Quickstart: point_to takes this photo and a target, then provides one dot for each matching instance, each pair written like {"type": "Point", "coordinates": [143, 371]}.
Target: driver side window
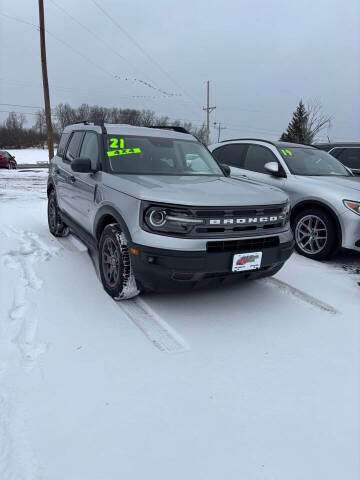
{"type": "Point", "coordinates": [256, 158]}
{"type": "Point", "coordinates": [90, 149]}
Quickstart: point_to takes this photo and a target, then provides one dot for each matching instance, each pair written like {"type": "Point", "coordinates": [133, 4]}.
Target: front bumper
{"type": "Point", "coordinates": [165, 270]}
{"type": "Point", "coordinates": [350, 230]}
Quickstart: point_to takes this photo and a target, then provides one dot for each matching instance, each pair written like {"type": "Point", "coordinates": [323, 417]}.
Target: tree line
{"type": "Point", "coordinates": [306, 123]}
{"type": "Point", "coordinates": [15, 134]}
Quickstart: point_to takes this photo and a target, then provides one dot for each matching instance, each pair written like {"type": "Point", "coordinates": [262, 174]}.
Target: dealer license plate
{"type": "Point", "coordinates": [246, 261]}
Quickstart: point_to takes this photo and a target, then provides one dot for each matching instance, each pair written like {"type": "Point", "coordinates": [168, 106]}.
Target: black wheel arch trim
{"type": "Point", "coordinates": [50, 186]}
{"type": "Point", "coordinates": [102, 213]}
{"type": "Point", "coordinates": [318, 204]}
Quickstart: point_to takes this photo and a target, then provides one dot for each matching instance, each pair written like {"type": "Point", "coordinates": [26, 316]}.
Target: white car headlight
{"type": "Point", "coordinates": [353, 206]}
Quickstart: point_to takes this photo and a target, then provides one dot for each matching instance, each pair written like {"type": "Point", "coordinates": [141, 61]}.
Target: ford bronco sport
{"type": "Point", "coordinates": [160, 210]}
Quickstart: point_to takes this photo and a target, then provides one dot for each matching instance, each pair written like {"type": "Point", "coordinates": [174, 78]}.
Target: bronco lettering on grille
{"type": "Point", "coordinates": [232, 221]}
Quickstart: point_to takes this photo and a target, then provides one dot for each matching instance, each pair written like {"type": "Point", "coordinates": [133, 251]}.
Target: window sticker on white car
{"type": "Point", "coordinates": [123, 151]}
{"type": "Point", "coordinates": [119, 145]}
{"type": "Point", "coordinates": [287, 152]}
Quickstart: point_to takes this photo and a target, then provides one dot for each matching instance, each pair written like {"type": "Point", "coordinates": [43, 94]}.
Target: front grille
{"type": "Point", "coordinates": [240, 211]}
{"type": "Point", "coordinates": [238, 245]}
{"type": "Point", "coordinates": [231, 221]}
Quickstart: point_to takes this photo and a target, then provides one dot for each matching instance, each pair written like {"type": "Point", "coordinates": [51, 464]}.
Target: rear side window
{"type": "Point", "coordinates": [74, 145]}
{"type": "Point", "coordinates": [62, 144]}
{"type": "Point", "coordinates": [350, 157]}
{"type": "Point", "coordinates": [231, 154]}
{"type": "Point", "coordinates": [256, 158]}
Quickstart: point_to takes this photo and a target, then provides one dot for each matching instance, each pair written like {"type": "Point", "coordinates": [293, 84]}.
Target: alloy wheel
{"type": "Point", "coordinates": [311, 234]}
{"type": "Point", "coordinates": [111, 262]}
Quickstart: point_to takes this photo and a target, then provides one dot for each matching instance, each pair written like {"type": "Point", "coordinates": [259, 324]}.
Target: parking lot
{"type": "Point", "coordinates": [255, 380]}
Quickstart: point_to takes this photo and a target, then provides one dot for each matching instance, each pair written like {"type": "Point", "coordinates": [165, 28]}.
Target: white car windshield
{"type": "Point", "coordinates": [312, 162]}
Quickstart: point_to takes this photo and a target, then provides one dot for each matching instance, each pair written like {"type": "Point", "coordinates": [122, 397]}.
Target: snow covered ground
{"type": "Point", "coordinates": [30, 155]}
{"type": "Point", "coordinates": [252, 381]}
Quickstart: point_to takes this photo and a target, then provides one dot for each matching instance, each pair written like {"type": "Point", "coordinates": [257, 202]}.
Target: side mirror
{"type": "Point", "coordinates": [226, 169]}
{"type": "Point", "coordinates": [273, 169]}
{"type": "Point", "coordinates": [81, 165]}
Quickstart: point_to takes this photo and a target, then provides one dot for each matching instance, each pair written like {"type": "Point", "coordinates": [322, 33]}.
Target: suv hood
{"type": "Point", "coordinates": [196, 190]}
{"type": "Point", "coordinates": [336, 181]}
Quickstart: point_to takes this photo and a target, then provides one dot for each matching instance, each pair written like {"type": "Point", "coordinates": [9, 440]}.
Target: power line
{"type": "Point", "coordinates": [109, 46]}
{"type": "Point", "coordinates": [15, 105]}
{"type": "Point", "coordinates": [24, 113]}
{"type": "Point", "coordinates": [143, 51]}
{"type": "Point", "coordinates": [59, 87]}
{"type": "Point", "coordinates": [112, 75]}
{"type": "Point", "coordinates": [61, 41]}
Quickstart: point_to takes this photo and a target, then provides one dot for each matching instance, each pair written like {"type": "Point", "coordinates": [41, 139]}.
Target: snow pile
{"type": "Point", "coordinates": [30, 155]}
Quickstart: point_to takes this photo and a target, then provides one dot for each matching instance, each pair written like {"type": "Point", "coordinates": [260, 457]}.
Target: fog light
{"type": "Point", "coordinates": [151, 259]}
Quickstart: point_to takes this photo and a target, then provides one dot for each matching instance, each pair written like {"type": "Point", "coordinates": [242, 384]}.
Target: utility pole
{"type": "Point", "coordinates": [49, 131]}
{"type": "Point", "coordinates": [208, 110]}
{"type": "Point", "coordinates": [219, 129]}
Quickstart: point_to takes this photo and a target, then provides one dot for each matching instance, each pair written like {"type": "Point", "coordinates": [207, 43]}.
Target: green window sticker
{"type": "Point", "coordinates": [123, 151]}
{"type": "Point", "coordinates": [114, 143]}
{"type": "Point", "coordinates": [287, 152]}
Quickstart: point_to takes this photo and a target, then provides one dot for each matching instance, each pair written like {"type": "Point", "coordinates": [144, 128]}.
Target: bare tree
{"type": "Point", "coordinates": [317, 121]}
{"type": "Point", "coordinates": [65, 114]}
{"type": "Point", "coordinates": [15, 121]}
{"type": "Point", "coordinates": [306, 123]}
{"type": "Point", "coordinates": [147, 118]}
{"type": "Point", "coordinates": [40, 125]}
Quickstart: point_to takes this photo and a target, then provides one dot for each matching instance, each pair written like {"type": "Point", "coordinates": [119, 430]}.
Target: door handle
{"type": "Point", "coordinates": [72, 179]}
{"type": "Point", "coordinates": [244, 176]}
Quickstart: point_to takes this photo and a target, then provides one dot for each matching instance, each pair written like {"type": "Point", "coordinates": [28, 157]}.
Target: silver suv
{"type": "Point", "coordinates": [161, 211]}
{"type": "Point", "coordinates": [324, 194]}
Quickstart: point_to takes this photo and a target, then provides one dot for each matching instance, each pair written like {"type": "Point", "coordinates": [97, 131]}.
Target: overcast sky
{"type": "Point", "coordinates": [261, 57]}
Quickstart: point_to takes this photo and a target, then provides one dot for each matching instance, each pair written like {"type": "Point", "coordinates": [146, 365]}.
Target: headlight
{"type": "Point", "coordinates": [157, 218]}
{"type": "Point", "coordinates": [286, 212]}
{"type": "Point", "coordinates": [286, 209]}
{"type": "Point", "coordinates": [353, 206]}
{"type": "Point", "coordinates": [167, 219]}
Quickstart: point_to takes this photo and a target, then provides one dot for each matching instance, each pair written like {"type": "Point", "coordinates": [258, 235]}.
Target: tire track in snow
{"type": "Point", "coordinates": [300, 295]}
{"type": "Point", "coordinates": [160, 334]}
{"type": "Point", "coordinates": [157, 330]}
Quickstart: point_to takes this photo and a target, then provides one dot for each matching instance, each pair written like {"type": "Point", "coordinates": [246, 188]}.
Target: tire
{"type": "Point", "coordinates": [315, 234]}
{"type": "Point", "coordinates": [115, 265]}
{"type": "Point", "coordinates": [56, 226]}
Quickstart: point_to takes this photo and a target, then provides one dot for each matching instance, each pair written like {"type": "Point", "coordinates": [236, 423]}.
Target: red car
{"type": "Point", "coordinates": [7, 160]}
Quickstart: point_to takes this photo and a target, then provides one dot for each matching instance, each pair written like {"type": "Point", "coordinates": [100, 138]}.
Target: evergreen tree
{"type": "Point", "coordinates": [297, 130]}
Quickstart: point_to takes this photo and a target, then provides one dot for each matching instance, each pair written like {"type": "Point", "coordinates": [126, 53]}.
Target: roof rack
{"type": "Point", "coordinates": [88, 122]}
{"type": "Point", "coordinates": [257, 139]}
{"type": "Point", "coordinates": [85, 122]}
{"type": "Point", "coordinates": [170, 127]}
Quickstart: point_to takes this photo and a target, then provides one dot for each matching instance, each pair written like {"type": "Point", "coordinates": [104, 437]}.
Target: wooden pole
{"type": "Point", "coordinates": [49, 130]}
{"type": "Point", "coordinates": [208, 110]}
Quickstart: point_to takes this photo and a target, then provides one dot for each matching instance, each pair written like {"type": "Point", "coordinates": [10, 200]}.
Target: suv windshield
{"type": "Point", "coordinates": [311, 161]}
{"type": "Point", "coordinates": [159, 156]}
